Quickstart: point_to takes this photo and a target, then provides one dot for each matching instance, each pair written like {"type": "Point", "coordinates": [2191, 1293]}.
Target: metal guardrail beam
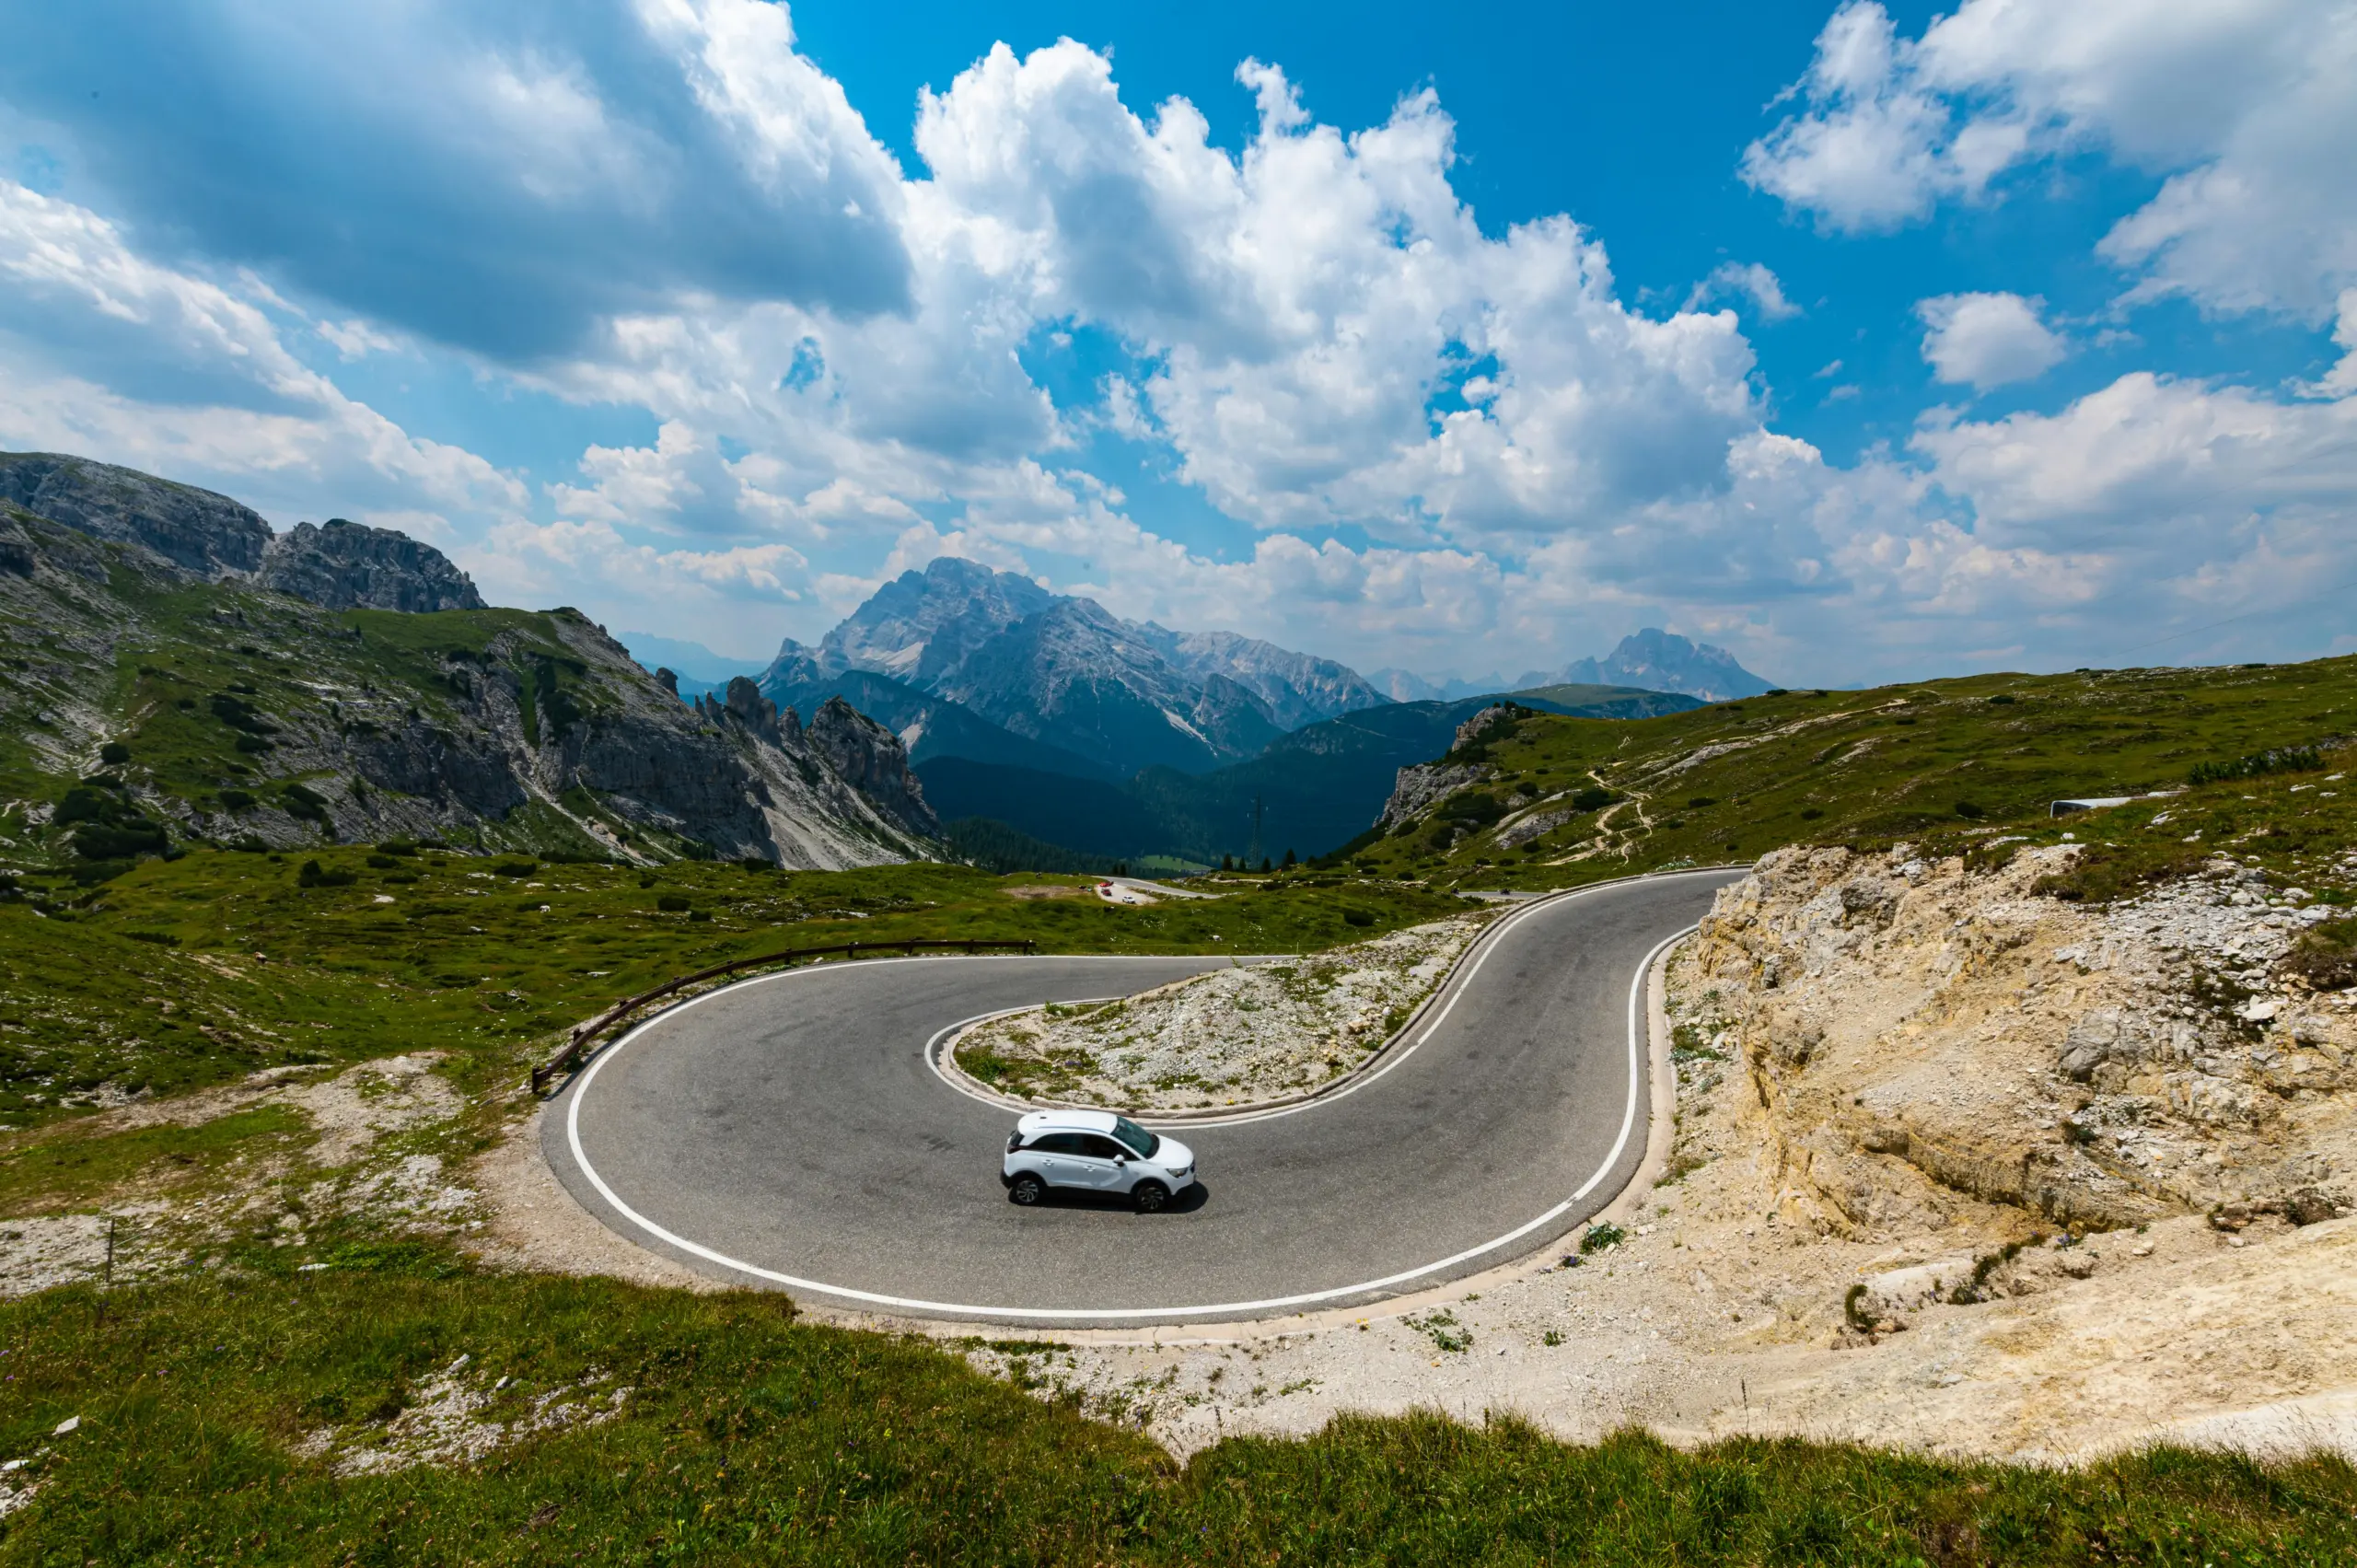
{"type": "Point", "coordinates": [577, 1043]}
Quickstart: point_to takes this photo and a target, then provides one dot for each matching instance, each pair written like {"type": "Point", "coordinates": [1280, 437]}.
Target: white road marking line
{"type": "Point", "coordinates": [1232, 1309]}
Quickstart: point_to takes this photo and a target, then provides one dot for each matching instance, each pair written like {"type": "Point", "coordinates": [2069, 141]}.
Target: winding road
{"type": "Point", "coordinates": [790, 1131]}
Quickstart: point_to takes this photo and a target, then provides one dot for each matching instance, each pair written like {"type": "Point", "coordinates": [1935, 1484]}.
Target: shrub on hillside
{"type": "Point", "coordinates": [311, 873]}
{"type": "Point", "coordinates": [2282, 760]}
{"type": "Point", "coordinates": [306, 804]}
{"type": "Point", "coordinates": [2327, 956]}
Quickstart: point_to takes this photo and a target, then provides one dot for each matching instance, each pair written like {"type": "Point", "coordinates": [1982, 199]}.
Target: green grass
{"type": "Point", "coordinates": [68, 1170]}
{"type": "Point", "coordinates": [750, 1437]}
{"type": "Point", "coordinates": [1947, 762]}
{"type": "Point", "coordinates": [191, 971]}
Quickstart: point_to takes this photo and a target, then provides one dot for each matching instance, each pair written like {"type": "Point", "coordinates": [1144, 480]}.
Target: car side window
{"type": "Point", "coordinates": [1057, 1143]}
{"type": "Point", "coordinates": [1102, 1149]}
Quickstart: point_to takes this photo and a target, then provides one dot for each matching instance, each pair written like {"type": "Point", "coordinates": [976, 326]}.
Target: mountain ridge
{"type": "Point", "coordinates": [339, 564]}
{"type": "Point", "coordinates": [158, 702]}
{"type": "Point", "coordinates": [1650, 659]}
{"type": "Point", "coordinates": [1063, 671]}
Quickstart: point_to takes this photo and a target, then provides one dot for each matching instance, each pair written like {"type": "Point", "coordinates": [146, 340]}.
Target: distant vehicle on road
{"type": "Point", "coordinates": [1094, 1151]}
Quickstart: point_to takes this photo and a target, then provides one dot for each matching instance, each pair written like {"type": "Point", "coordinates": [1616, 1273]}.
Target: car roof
{"type": "Point", "coordinates": [1072, 1121]}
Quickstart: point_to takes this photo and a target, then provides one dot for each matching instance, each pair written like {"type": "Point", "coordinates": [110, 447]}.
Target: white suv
{"type": "Point", "coordinates": [1094, 1151]}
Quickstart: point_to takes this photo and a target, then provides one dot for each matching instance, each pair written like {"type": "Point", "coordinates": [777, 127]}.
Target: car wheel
{"type": "Point", "coordinates": [1027, 1189]}
{"type": "Point", "coordinates": [1149, 1196]}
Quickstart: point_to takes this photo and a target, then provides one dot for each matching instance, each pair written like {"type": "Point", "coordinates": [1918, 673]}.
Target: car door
{"type": "Point", "coordinates": [1060, 1161]}
{"type": "Point", "coordinates": [1102, 1164]}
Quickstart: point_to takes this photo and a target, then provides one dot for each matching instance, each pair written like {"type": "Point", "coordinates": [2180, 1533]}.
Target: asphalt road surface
{"type": "Point", "coordinates": [789, 1131]}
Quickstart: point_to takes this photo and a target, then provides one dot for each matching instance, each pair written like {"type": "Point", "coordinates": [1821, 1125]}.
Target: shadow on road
{"type": "Point", "coordinates": [1080, 1199]}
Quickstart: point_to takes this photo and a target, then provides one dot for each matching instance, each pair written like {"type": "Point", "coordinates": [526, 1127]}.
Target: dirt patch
{"type": "Point", "coordinates": [457, 1419]}
{"type": "Point", "coordinates": [363, 1151]}
{"type": "Point", "coordinates": [531, 1223]}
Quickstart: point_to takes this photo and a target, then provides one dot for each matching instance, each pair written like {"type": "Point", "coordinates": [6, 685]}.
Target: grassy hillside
{"type": "Point", "coordinates": [744, 1436]}
{"type": "Point", "coordinates": [142, 710]}
{"type": "Point", "coordinates": [1953, 759]}
{"type": "Point", "coordinates": [196, 970]}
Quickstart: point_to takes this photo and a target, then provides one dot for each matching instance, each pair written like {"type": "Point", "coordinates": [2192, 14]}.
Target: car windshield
{"type": "Point", "coordinates": [1142, 1143]}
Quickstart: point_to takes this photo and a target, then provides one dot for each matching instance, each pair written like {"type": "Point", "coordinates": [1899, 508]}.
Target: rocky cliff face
{"type": "Point", "coordinates": [196, 530]}
{"type": "Point", "coordinates": [1422, 785]}
{"type": "Point", "coordinates": [870, 759]}
{"type": "Point", "coordinates": [345, 566]}
{"type": "Point", "coordinates": [1916, 1033]}
{"type": "Point", "coordinates": [259, 717]}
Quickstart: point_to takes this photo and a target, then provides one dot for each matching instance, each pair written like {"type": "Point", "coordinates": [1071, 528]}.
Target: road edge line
{"type": "Point", "coordinates": [1054, 1318]}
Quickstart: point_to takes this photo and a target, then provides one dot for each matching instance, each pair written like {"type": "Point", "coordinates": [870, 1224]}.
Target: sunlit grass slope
{"type": "Point", "coordinates": [748, 1438]}
{"type": "Point", "coordinates": [190, 972]}
{"type": "Point", "coordinates": [1956, 761]}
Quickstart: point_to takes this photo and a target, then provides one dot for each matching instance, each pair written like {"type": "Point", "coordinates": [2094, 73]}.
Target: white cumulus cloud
{"type": "Point", "coordinates": [1746, 280]}
{"type": "Point", "coordinates": [2246, 107]}
{"type": "Point", "coordinates": [1987, 339]}
{"type": "Point", "coordinates": [1336, 340]}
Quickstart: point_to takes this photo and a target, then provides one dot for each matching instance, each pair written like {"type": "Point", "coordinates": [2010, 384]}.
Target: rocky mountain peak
{"type": "Point", "coordinates": [348, 565]}
{"type": "Point", "coordinates": [871, 759]}
{"type": "Point", "coordinates": [1063, 671]}
{"type": "Point", "coordinates": [923, 624]}
{"type": "Point", "coordinates": [744, 702]}
{"type": "Point", "coordinates": [1664, 661]}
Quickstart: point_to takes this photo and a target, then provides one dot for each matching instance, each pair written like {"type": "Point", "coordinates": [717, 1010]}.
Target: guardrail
{"type": "Point", "coordinates": [569, 1057]}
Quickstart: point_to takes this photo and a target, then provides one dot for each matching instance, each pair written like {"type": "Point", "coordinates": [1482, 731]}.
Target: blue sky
{"type": "Point", "coordinates": [1868, 342]}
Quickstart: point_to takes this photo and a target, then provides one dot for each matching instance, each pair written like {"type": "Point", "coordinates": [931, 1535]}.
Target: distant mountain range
{"type": "Point", "coordinates": [1307, 792]}
{"type": "Point", "coordinates": [696, 664]}
{"type": "Point", "coordinates": [1064, 673]}
{"type": "Point", "coordinates": [1038, 721]}
{"type": "Point", "coordinates": [1652, 660]}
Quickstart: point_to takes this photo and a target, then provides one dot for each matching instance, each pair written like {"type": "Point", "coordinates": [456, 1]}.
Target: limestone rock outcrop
{"type": "Point", "coordinates": [1916, 1032]}
{"type": "Point", "coordinates": [1416, 787]}
{"type": "Point", "coordinates": [348, 565]}
{"type": "Point", "coordinates": [871, 759]}
{"type": "Point", "coordinates": [341, 566]}
{"type": "Point", "coordinates": [195, 529]}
